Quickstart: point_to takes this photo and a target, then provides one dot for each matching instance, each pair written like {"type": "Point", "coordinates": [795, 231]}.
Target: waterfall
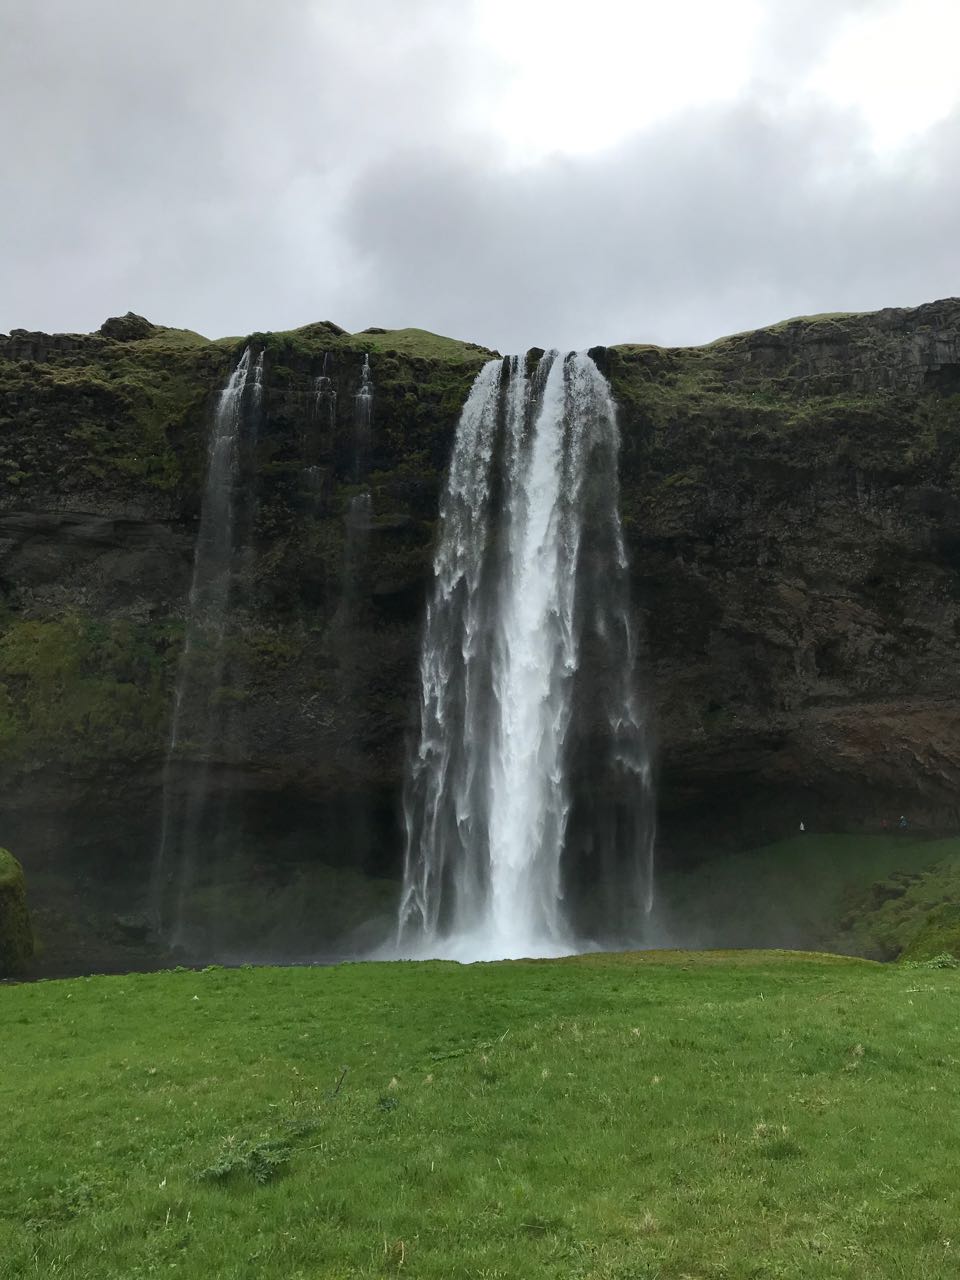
{"type": "Point", "coordinates": [256, 388]}
{"type": "Point", "coordinates": [357, 521]}
{"type": "Point", "coordinates": [195, 720]}
{"type": "Point", "coordinates": [528, 711]}
{"type": "Point", "coordinates": [362, 419]}
{"type": "Point", "coordinates": [360, 508]}
{"type": "Point", "coordinates": [325, 395]}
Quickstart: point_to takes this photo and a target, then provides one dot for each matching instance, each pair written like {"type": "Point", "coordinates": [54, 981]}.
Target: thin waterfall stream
{"type": "Point", "coordinates": [362, 419]}
{"type": "Point", "coordinates": [195, 720]}
{"type": "Point", "coordinates": [360, 508]}
{"type": "Point", "coordinates": [356, 518]}
{"type": "Point", "coordinates": [325, 395]}
{"type": "Point", "coordinates": [529, 805]}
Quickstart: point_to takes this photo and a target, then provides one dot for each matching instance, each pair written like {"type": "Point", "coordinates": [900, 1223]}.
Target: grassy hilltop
{"type": "Point", "coordinates": [663, 1115]}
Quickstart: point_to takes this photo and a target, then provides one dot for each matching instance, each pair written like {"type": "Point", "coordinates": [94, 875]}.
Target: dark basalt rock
{"type": "Point", "coordinates": [601, 358]}
{"type": "Point", "coordinates": [132, 930]}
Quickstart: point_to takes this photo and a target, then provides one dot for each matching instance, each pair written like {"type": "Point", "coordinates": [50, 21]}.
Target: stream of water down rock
{"type": "Point", "coordinates": [528, 804]}
{"type": "Point", "coordinates": [185, 801]}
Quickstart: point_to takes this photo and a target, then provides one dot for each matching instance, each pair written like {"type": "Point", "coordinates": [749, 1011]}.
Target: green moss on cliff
{"type": "Point", "coordinates": [78, 689]}
{"type": "Point", "coordinates": [120, 414]}
{"type": "Point", "coordinates": [167, 339]}
{"type": "Point", "coordinates": [307, 463]}
{"type": "Point", "coordinates": [914, 914]}
{"type": "Point", "coordinates": [16, 935]}
{"type": "Point", "coordinates": [709, 432]}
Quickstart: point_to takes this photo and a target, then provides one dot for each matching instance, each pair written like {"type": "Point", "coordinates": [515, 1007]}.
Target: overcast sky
{"type": "Point", "coordinates": [515, 172]}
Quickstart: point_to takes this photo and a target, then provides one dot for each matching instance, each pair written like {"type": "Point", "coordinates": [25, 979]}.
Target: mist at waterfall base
{"type": "Point", "coordinates": [529, 805]}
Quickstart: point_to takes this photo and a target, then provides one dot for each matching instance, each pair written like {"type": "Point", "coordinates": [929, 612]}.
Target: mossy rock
{"type": "Point", "coordinates": [939, 935]}
{"type": "Point", "coordinates": [128, 328]}
{"type": "Point", "coordinates": [16, 935]}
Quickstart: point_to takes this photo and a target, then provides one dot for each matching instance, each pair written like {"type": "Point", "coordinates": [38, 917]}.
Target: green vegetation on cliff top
{"type": "Point", "coordinates": [108, 414]}
{"type": "Point", "coordinates": [166, 339]}
{"type": "Point", "coordinates": [420, 342]}
{"type": "Point", "coordinates": [128, 412]}
{"type": "Point", "coordinates": [415, 344]}
{"type": "Point", "coordinates": [665, 1115]}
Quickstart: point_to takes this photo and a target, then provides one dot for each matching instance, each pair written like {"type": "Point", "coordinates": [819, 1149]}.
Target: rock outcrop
{"type": "Point", "coordinates": [791, 499]}
{"type": "Point", "coordinates": [16, 934]}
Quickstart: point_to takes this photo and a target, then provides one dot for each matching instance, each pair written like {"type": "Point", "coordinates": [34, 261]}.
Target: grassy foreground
{"type": "Point", "coordinates": [612, 1117]}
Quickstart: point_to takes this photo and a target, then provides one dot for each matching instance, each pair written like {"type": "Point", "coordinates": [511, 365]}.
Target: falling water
{"type": "Point", "coordinates": [493, 866]}
{"type": "Point", "coordinates": [256, 381]}
{"type": "Point", "coordinates": [201, 666]}
{"type": "Point", "coordinates": [360, 509]}
{"type": "Point", "coordinates": [358, 517]}
{"type": "Point", "coordinates": [362, 419]}
{"type": "Point", "coordinates": [353, 638]}
{"type": "Point", "coordinates": [325, 395]}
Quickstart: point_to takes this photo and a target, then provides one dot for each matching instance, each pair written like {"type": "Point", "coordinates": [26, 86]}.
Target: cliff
{"type": "Point", "coordinates": [791, 499]}
{"type": "Point", "coordinates": [794, 518]}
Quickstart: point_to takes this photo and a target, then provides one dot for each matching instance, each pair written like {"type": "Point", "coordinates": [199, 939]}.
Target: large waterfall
{"type": "Point", "coordinates": [195, 722]}
{"type": "Point", "coordinates": [528, 805]}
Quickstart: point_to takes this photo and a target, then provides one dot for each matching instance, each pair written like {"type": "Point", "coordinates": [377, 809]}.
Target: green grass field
{"type": "Point", "coordinates": [614, 1117]}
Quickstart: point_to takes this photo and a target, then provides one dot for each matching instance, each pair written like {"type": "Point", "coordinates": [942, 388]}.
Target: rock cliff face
{"type": "Point", "coordinates": [791, 499]}
{"type": "Point", "coordinates": [795, 532]}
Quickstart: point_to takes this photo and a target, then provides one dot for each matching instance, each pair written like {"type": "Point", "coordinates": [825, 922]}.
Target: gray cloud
{"type": "Point", "coordinates": [709, 224]}
{"type": "Point", "coordinates": [231, 167]}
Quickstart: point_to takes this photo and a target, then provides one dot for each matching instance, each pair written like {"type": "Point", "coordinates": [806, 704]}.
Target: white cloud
{"type": "Point", "coordinates": [897, 67]}
{"type": "Point", "coordinates": [576, 80]}
{"type": "Point", "coordinates": [531, 173]}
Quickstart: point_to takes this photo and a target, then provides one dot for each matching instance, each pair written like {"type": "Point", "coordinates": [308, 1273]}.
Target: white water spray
{"type": "Point", "coordinates": [489, 871]}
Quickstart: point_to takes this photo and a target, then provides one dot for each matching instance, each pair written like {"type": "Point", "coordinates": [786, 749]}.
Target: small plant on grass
{"type": "Point", "coordinates": [944, 961]}
{"type": "Point", "coordinates": [262, 1161]}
